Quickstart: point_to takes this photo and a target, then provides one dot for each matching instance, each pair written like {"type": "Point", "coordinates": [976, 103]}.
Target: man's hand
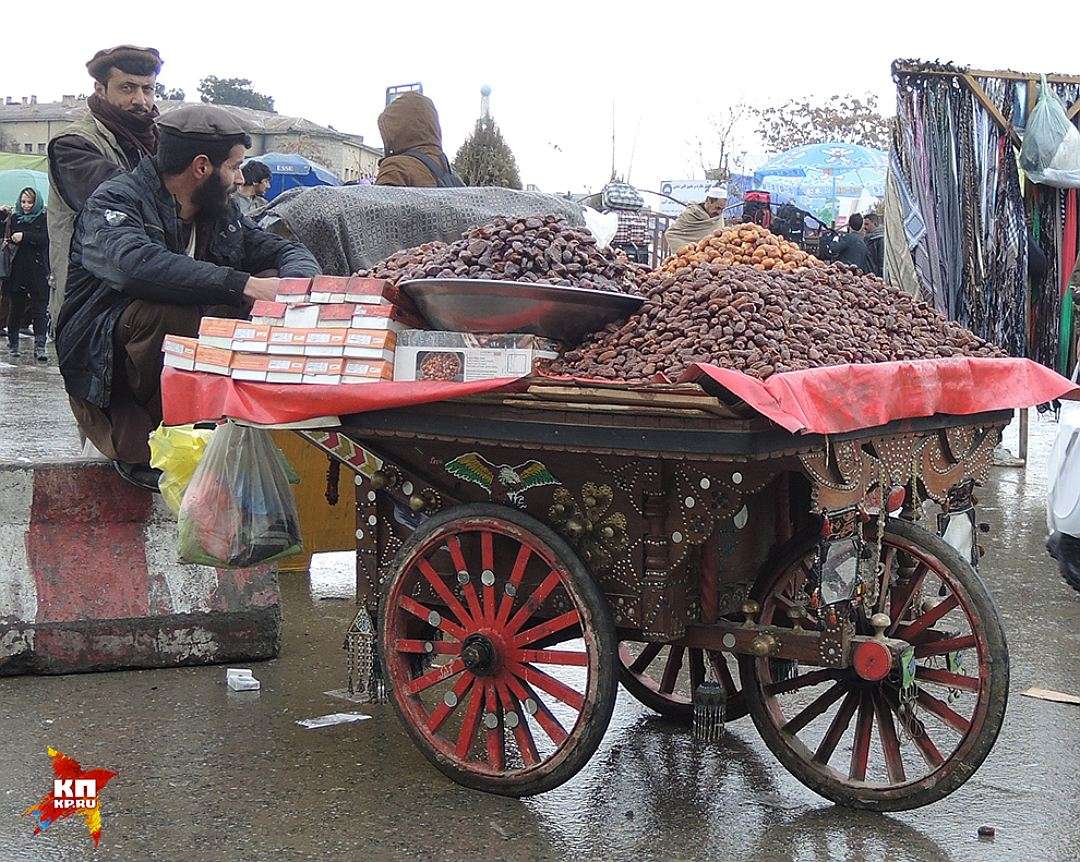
{"type": "Point", "coordinates": [261, 288]}
{"type": "Point", "coordinates": [16, 237]}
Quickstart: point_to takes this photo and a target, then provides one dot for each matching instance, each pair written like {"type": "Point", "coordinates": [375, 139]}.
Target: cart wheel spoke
{"type": "Point", "coordinates": [947, 679]}
{"type": "Point", "coordinates": [470, 721]}
{"type": "Point", "coordinates": [837, 726]}
{"type": "Point", "coordinates": [552, 686]}
{"type": "Point", "coordinates": [536, 707]}
{"type": "Point", "coordinates": [890, 743]}
{"type": "Point", "coordinates": [435, 676]}
{"type": "Point", "coordinates": [943, 711]}
{"type": "Point", "coordinates": [438, 647]}
{"type": "Point", "coordinates": [453, 545]}
{"type": "Point", "coordinates": [495, 741]}
{"type": "Point", "coordinates": [487, 557]}
{"type": "Point", "coordinates": [552, 656]}
{"type": "Point", "coordinates": [816, 708]}
{"type": "Point", "coordinates": [432, 617]}
{"type": "Point", "coordinates": [671, 669]}
{"type": "Point", "coordinates": [942, 646]}
{"type": "Point", "coordinates": [922, 623]}
{"type": "Point", "coordinates": [444, 593]}
{"type": "Point", "coordinates": [516, 574]}
{"type": "Point", "coordinates": [556, 624]}
{"type": "Point", "coordinates": [533, 602]}
{"type": "Point", "coordinates": [697, 669]}
{"type": "Point", "coordinates": [864, 726]}
{"type": "Point", "coordinates": [522, 734]}
{"type": "Point", "coordinates": [447, 706]}
{"type": "Point", "coordinates": [902, 595]}
{"type": "Point", "coordinates": [814, 677]}
{"type": "Point", "coordinates": [646, 657]}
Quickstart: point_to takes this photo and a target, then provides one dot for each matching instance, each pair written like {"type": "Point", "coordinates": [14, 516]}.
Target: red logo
{"type": "Point", "coordinates": [75, 791]}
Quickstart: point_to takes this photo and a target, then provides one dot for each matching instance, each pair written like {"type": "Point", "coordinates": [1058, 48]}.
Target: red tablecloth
{"type": "Point", "coordinates": [840, 398]}
{"type": "Point", "coordinates": [827, 400]}
{"type": "Point", "coordinates": [188, 396]}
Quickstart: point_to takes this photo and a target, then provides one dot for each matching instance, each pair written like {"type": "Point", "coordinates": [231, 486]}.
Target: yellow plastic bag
{"type": "Point", "coordinates": [176, 451]}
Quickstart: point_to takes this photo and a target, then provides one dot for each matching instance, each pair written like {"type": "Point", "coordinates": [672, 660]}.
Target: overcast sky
{"type": "Point", "coordinates": [555, 68]}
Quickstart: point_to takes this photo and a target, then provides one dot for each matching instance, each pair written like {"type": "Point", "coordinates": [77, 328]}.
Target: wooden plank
{"type": "Point", "coordinates": [1004, 74]}
{"type": "Point", "coordinates": [995, 112]}
{"type": "Point", "coordinates": [1073, 110]}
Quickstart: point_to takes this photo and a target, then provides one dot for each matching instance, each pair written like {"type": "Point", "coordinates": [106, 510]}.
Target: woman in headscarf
{"type": "Point", "coordinates": [28, 282]}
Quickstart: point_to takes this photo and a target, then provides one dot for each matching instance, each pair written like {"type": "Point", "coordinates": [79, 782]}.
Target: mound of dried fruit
{"type": "Point", "coordinates": [748, 244]}
{"type": "Point", "coordinates": [540, 249]}
{"type": "Point", "coordinates": [763, 322]}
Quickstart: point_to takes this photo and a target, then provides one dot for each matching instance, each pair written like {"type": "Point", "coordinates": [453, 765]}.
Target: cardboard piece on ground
{"type": "Point", "coordinates": [1052, 696]}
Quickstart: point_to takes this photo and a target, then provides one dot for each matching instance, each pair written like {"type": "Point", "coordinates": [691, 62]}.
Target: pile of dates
{"type": "Point", "coordinates": [742, 243]}
{"type": "Point", "coordinates": [764, 322]}
{"type": "Point", "coordinates": [539, 249]}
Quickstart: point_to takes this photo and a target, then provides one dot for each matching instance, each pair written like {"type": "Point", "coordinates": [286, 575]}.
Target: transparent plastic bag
{"type": "Point", "coordinates": [238, 510]}
{"type": "Point", "coordinates": [1051, 149]}
{"type": "Point", "coordinates": [176, 451]}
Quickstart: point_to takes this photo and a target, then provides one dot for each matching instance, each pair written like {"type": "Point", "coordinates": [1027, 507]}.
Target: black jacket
{"type": "Point", "coordinates": [127, 246]}
{"type": "Point", "coordinates": [850, 248]}
{"type": "Point", "coordinates": [30, 265]}
{"type": "Point", "coordinates": [875, 246]}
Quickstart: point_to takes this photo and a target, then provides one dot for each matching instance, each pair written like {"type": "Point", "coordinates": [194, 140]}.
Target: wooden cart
{"type": "Point", "coordinates": [522, 554]}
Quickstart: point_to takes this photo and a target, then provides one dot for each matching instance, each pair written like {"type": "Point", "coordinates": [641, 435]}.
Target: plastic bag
{"type": "Point", "coordinates": [1051, 149]}
{"type": "Point", "coordinates": [238, 510]}
{"type": "Point", "coordinates": [176, 451]}
{"type": "Point", "coordinates": [1063, 471]}
{"type": "Point", "coordinates": [603, 226]}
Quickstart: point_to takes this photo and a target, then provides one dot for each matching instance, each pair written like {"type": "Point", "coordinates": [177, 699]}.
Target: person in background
{"type": "Point", "coordinates": [875, 243]}
{"type": "Point", "coordinates": [252, 193]}
{"type": "Point", "coordinates": [697, 221]}
{"type": "Point", "coordinates": [110, 138]}
{"type": "Point", "coordinates": [28, 282]}
{"type": "Point", "coordinates": [850, 247]}
{"type": "Point", "coordinates": [153, 251]}
{"type": "Point", "coordinates": [412, 139]}
{"type": "Point", "coordinates": [5, 305]}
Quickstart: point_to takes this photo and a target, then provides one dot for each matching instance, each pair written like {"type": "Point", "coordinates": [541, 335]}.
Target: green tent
{"type": "Point", "coordinates": [13, 182]}
{"type": "Point", "coordinates": [19, 161]}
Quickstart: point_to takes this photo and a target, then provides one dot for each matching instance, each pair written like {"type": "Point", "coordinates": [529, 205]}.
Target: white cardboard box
{"type": "Point", "coordinates": [285, 369]}
{"type": "Point", "coordinates": [179, 352]}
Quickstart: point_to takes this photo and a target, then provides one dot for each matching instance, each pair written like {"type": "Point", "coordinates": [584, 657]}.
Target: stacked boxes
{"type": "Point", "coordinates": [324, 330]}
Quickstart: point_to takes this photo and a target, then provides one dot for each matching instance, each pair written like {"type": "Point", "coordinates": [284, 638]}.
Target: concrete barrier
{"type": "Point", "coordinates": [89, 580]}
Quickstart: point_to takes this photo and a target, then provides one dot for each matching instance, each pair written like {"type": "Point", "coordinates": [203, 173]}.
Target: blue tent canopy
{"type": "Point", "coordinates": [13, 182]}
{"type": "Point", "coordinates": [289, 170]}
{"type": "Point", "coordinates": [815, 175]}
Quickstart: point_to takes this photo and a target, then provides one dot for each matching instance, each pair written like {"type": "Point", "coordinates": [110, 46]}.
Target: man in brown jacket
{"type": "Point", "coordinates": [412, 140]}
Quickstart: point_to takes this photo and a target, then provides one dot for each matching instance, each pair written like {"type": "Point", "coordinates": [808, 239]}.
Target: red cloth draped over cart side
{"type": "Point", "coordinates": [188, 397]}
{"type": "Point", "coordinates": [839, 398]}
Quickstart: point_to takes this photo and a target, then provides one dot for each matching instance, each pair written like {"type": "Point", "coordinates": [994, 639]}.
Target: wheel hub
{"type": "Point", "coordinates": [479, 655]}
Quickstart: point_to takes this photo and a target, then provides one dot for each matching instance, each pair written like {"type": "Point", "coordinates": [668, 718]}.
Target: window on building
{"type": "Point", "coordinates": [41, 148]}
{"type": "Point", "coordinates": [29, 148]}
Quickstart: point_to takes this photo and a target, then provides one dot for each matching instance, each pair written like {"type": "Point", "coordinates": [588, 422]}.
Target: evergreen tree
{"type": "Point", "coordinates": [234, 91]}
{"type": "Point", "coordinates": [485, 159]}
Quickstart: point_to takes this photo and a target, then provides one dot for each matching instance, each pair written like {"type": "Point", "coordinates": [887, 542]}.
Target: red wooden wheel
{"type": "Point", "coordinates": [477, 600]}
{"type": "Point", "coordinates": [878, 744]}
{"type": "Point", "coordinates": [664, 676]}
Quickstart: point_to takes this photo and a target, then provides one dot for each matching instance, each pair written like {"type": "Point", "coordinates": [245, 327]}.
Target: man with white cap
{"type": "Point", "coordinates": [697, 220]}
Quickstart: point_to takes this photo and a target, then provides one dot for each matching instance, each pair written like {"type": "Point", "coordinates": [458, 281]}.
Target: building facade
{"type": "Point", "coordinates": [26, 126]}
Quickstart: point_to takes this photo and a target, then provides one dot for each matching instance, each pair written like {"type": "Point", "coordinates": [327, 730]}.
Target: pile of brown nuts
{"type": "Point", "coordinates": [767, 322]}
{"type": "Point", "coordinates": [539, 249]}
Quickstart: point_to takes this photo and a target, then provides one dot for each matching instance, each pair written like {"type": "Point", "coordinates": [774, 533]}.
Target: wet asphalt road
{"type": "Point", "coordinates": [209, 774]}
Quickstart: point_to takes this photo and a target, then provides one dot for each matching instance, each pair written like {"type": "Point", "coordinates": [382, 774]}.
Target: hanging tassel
{"type": "Point", "coordinates": [365, 683]}
{"type": "Point", "coordinates": [710, 710]}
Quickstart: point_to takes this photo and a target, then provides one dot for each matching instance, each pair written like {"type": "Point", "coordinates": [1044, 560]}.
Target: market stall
{"type": "Point", "coordinates": [714, 492]}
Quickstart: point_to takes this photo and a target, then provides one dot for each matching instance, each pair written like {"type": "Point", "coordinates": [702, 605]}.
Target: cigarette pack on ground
{"type": "Point", "coordinates": [384, 316]}
{"type": "Point", "coordinates": [323, 370]}
{"type": "Point", "coordinates": [293, 290]}
{"type": "Point", "coordinates": [284, 369]}
{"type": "Point", "coordinates": [328, 288]}
{"type": "Point", "coordinates": [463, 356]}
{"type": "Point", "coordinates": [249, 366]}
{"type": "Point", "coordinates": [370, 344]}
{"type": "Point", "coordinates": [370, 291]}
{"type": "Point", "coordinates": [217, 332]}
{"type": "Point", "coordinates": [325, 342]}
{"type": "Point", "coordinates": [215, 360]}
{"type": "Point", "coordinates": [366, 371]}
{"type": "Point", "coordinates": [179, 351]}
{"type": "Point", "coordinates": [287, 340]}
{"type": "Point", "coordinates": [270, 313]}
{"type": "Point", "coordinates": [251, 337]}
